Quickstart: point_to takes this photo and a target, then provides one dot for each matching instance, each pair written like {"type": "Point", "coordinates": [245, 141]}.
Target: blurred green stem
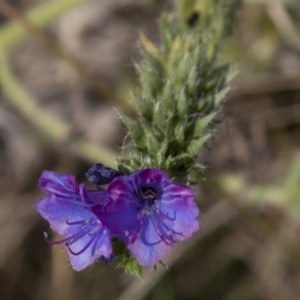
{"type": "Point", "coordinates": [27, 105]}
{"type": "Point", "coordinates": [284, 24]}
{"type": "Point", "coordinates": [42, 15]}
{"type": "Point", "coordinates": [51, 126]}
{"type": "Point", "coordinates": [54, 128]}
{"type": "Point", "coordinates": [242, 195]}
{"type": "Point", "coordinates": [30, 24]}
{"type": "Point", "coordinates": [61, 277]}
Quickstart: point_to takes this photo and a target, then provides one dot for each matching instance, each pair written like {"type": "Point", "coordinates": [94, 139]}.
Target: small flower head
{"type": "Point", "coordinates": [71, 211]}
{"type": "Point", "coordinates": [150, 213]}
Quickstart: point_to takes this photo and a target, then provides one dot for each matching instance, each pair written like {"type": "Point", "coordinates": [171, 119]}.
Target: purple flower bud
{"type": "Point", "coordinates": [98, 174]}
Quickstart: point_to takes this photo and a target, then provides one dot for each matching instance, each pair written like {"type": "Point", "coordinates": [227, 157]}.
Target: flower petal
{"type": "Point", "coordinates": [179, 210]}
{"type": "Point", "coordinates": [92, 197]}
{"type": "Point", "coordinates": [100, 247]}
{"type": "Point", "coordinates": [149, 176]}
{"type": "Point", "coordinates": [58, 184]}
{"type": "Point", "coordinates": [57, 212]}
{"type": "Point", "coordinates": [73, 218]}
{"type": "Point", "coordinates": [120, 213]}
{"type": "Point", "coordinates": [60, 214]}
{"type": "Point", "coordinates": [148, 247]}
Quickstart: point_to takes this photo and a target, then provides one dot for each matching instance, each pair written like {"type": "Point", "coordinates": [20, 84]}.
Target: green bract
{"type": "Point", "coordinates": [182, 85]}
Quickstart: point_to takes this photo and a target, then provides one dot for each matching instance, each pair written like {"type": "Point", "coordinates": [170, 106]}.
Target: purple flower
{"type": "Point", "coordinates": [150, 213]}
{"type": "Point", "coordinates": [72, 212]}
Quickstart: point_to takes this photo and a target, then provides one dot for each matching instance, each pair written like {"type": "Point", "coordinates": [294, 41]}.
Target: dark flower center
{"type": "Point", "coordinates": [146, 195]}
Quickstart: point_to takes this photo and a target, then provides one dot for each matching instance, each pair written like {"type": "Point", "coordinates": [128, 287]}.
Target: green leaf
{"type": "Point", "coordinates": [167, 97]}
{"type": "Point", "coordinates": [150, 81]}
{"type": "Point", "coordinates": [195, 146]}
{"type": "Point", "coordinates": [123, 169]}
{"type": "Point", "coordinates": [159, 116]}
{"type": "Point", "coordinates": [202, 123]}
{"type": "Point", "coordinates": [173, 147]}
{"type": "Point", "coordinates": [131, 266]}
{"type": "Point", "coordinates": [197, 127]}
{"type": "Point", "coordinates": [182, 71]}
{"type": "Point", "coordinates": [179, 133]}
{"type": "Point", "coordinates": [210, 102]}
{"type": "Point", "coordinates": [153, 145]}
{"type": "Point", "coordinates": [135, 131]}
{"type": "Point", "coordinates": [182, 105]}
{"type": "Point", "coordinates": [162, 152]}
{"type": "Point", "coordinates": [199, 167]}
{"type": "Point", "coordinates": [144, 107]}
{"type": "Point", "coordinates": [153, 63]}
{"type": "Point", "coordinates": [165, 35]}
{"type": "Point", "coordinates": [176, 56]}
{"type": "Point", "coordinates": [192, 81]}
{"type": "Point", "coordinates": [231, 74]}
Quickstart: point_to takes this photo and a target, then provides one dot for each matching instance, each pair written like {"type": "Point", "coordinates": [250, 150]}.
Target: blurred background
{"type": "Point", "coordinates": [60, 80]}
